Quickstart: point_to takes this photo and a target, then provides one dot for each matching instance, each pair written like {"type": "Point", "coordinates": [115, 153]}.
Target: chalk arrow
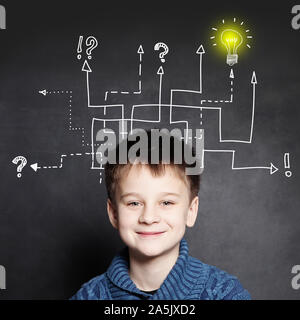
{"type": "Point", "coordinates": [34, 166]}
{"type": "Point", "coordinates": [86, 67]}
{"type": "Point", "coordinates": [253, 79]}
{"type": "Point", "coordinates": [160, 70]}
{"type": "Point", "coordinates": [43, 92]}
{"type": "Point", "coordinates": [273, 169]}
{"type": "Point", "coordinates": [140, 50]}
{"type": "Point", "coordinates": [200, 51]}
{"type": "Point", "coordinates": [254, 82]}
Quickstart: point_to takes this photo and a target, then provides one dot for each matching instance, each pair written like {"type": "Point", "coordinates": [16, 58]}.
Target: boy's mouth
{"type": "Point", "coordinates": [149, 234]}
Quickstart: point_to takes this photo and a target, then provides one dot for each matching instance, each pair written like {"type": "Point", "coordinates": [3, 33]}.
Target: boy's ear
{"type": "Point", "coordinates": [112, 214]}
{"type": "Point", "coordinates": [192, 212]}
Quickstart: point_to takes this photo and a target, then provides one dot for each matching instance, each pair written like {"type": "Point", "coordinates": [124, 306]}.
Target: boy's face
{"type": "Point", "coordinates": [146, 203]}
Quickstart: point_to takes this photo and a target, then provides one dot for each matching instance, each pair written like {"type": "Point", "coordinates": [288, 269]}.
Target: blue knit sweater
{"type": "Point", "coordinates": [189, 279]}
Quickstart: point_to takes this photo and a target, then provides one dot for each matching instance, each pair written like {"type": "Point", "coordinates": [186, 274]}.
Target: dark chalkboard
{"type": "Point", "coordinates": [54, 230]}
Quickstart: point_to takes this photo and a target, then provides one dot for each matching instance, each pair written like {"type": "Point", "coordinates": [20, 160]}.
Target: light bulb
{"type": "Point", "coordinates": [231, 39]}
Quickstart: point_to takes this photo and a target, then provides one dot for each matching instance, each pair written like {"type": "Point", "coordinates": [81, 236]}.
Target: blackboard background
{"type": "Point", "coordinates": [54, 230]}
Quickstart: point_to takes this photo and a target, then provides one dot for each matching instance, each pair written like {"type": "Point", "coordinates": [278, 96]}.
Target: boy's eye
{"type": "Point", "coordinates": [133, 204]}
{"type": "Point", "coordinates": [167, 203]}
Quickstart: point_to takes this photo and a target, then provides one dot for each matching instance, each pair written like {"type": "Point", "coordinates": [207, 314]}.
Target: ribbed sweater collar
{"type": "Point", "coordinates": [177, 284]}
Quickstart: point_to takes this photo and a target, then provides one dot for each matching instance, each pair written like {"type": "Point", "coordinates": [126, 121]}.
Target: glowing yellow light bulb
{"type": "Point", "coordinates": [231, 39]}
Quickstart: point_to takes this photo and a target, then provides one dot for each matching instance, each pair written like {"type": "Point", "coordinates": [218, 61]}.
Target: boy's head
{"type": "Point", "coordinates": [151, 204]}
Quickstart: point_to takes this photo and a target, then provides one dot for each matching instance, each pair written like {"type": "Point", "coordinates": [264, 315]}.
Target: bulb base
{"type": "Point", "coordinates": [232, 59]}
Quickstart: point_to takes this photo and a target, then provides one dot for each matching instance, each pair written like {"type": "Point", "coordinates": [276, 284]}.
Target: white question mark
{"type": "Point", "coordinates": [163, 53]}
{"type": "Point", "coordinates": [91, 42]}
{"type": "Point", "coordinates": [21, 165]}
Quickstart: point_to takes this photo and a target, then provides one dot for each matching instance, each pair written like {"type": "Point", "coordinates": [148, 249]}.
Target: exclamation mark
{"type": "Point", "coordinates": [286, 160]}
{"type": "Point", "coordinates": [79, 47]}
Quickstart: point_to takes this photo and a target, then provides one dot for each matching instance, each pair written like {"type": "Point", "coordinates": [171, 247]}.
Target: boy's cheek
{"type": "Point", "coordinates": [127, 221]}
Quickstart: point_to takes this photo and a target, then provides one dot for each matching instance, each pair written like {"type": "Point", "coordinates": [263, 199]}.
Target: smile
{"type": "Point", "coordinates": [150, 234]}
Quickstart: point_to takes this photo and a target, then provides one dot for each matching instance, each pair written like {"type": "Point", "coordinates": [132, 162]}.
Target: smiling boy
{"type": "Point", "coordinates": [151, 214]}
{"type": "Point", "coordinates": [151, 205]}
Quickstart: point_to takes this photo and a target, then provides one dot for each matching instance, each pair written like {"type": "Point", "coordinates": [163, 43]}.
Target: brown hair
{"type": "Point", "coordinates": [115, 171]}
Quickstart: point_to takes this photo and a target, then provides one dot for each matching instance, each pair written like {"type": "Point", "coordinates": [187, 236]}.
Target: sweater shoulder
{"type": "Point", "coordinates": [94, 289]}
{"type": "Point", "coordinates": [217, 284]}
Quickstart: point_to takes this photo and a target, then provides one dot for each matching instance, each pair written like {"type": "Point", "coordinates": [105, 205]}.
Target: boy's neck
{"type": "Point", "coordinates": [149, 273]}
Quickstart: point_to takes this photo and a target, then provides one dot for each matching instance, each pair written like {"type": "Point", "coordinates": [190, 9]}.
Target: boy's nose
{"type": "Point", "coordinates": [149, 215]}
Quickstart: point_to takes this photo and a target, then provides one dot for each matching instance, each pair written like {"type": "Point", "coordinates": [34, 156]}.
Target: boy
{"type": "Point", "coordinates": [150, 205]}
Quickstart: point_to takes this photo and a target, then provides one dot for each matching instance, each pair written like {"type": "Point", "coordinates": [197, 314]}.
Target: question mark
{"type": "Point", "coordinates": [21, 165]}
{"type": "Point", "coordinates": [91, 42]}
{"type": "Point", "coordinates": [163, 53]}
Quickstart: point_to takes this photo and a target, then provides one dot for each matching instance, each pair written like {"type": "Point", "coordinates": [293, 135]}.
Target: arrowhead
{"type": "Point", "coordinates": [43, 92]}
{"type": "Point", "coordinates": [273, 169]}
{"type": "Point", "coordinates": [253, 79]}
{"type": "Point", "coordinates": [140, 50]}
{"type": "Point", "coordinates": [160, 70]}
{"type": "Point", "coordinates": [86, 67]}
{"type": "Point", "coordinates": [200, 50]}
{"type": "Point", "coordinates": [231, 74]}
{"type": "Point", "coordinates": [34, 166]}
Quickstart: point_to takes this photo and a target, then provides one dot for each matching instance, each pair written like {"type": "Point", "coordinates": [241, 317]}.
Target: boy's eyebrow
{"type": "Point", "coordinates": [137, 194]}
{"type": "Point", "coordinates": [170, 194]}
{"type": "Point", "coordinates": [129, 194]}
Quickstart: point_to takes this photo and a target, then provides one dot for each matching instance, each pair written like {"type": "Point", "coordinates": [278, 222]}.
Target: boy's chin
{"type": "Point", "coordinates": [146, 249]}
{"type": "Point", "coordinates": [151, 249]}
{"type": "Point", "coordinates": [151, 253]}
